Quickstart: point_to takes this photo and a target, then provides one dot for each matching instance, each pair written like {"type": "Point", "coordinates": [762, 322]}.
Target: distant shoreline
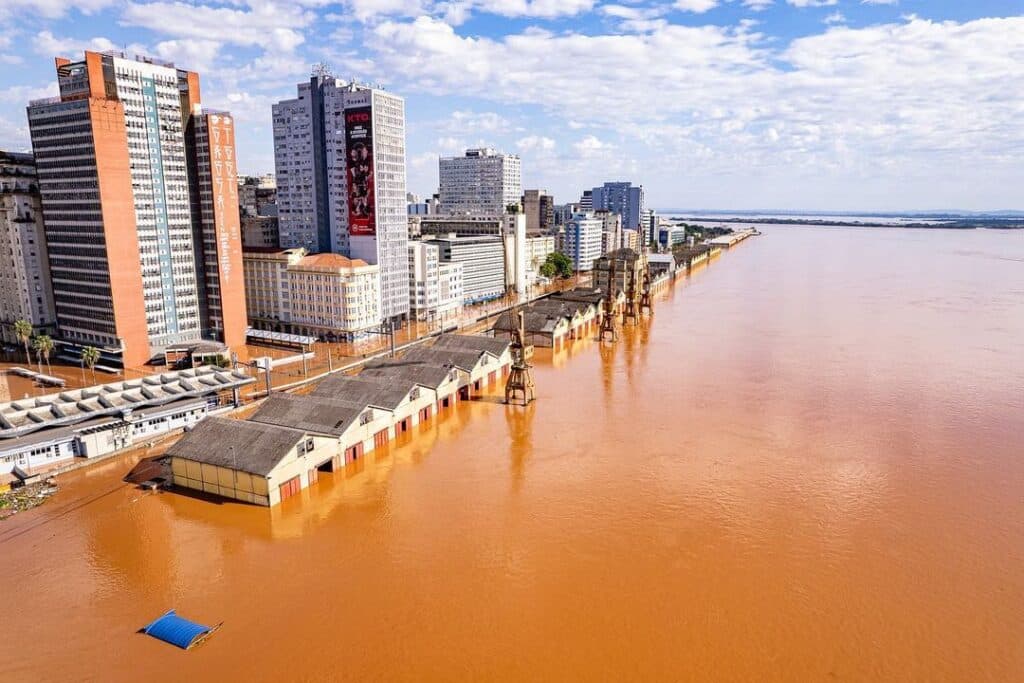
{"type": "Point", "coordinates": [938, 224]}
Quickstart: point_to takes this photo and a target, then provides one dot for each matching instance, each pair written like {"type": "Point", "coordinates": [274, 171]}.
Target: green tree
{"type": "Point", "coordinates": [23, 330]}
{"type": "Point", "coordinates": [43, 345]}
{"type": "Point", "coordinates": [563, 263]}
{"type": "Point", "coordinates": [90, 357]}
{"type": "Point", "coordinates": [557, 264]}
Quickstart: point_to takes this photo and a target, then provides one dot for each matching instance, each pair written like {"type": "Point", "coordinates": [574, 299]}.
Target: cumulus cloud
{"type": "Point", "coordinates": [51, 9]}
{"type": "Point", "coordinates": [912, 92]}
{"type": "Point", "coordinates": [535, 143]}
{"type": "Point", "coordinates": [265, 23]}
{"type": "Point", "coordinates": [698, 6]}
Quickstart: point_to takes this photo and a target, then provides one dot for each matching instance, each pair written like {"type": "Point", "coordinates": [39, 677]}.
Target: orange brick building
{"type": "Point", "coordinates": [140, 208]}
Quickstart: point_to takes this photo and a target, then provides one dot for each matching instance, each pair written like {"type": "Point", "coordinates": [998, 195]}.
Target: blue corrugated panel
{"type": "Point", "coordinates": [177, 631]}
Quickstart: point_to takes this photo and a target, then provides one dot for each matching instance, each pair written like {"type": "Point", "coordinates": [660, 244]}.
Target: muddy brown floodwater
{"type": "Point", "coordinates": [808, 466]}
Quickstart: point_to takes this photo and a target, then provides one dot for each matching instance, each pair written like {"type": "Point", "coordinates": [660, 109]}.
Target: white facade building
{"type": "Point", "coordinates": [435, 288]}
{"type": "Point", "coordinates": [583, 236]}
{"type": "Point", "coordinates": [339, 151]}
{"type": "Point", "coordinates": [538, 248]}
{"type": "Point", "coordinates": [482, 182]}
{"type": "Point", "coordinates": [322, 295]}
{"type": "Point", "coordinates": [483, 262]}
{"type": "Point", "coordinates": [611, 230]}
{"type": "Point", "coordinates": [24, 268]}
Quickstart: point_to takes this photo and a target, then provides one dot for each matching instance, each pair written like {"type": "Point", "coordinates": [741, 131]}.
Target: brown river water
{"type": "Point", "coordinates": [808, 466]}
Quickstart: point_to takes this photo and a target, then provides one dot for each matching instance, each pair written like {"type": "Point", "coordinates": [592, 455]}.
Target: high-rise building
{"type": "Point", "coordinates": [587, 201]}
{"type": "Point", "coordinates": [483, 264]}
{"type": "Point", "coordinates": [435, 287]}
{"type": "Point", "coordinates": [649, 226]}
{"type": "Point", "coordinates": [140, 207]}
{"type": "Point", "coordinates": [622, 198]}
{"type": "Point", "coordinates": [539, 207]}
{"type": "Point", "coordinates": [24, 268]}
{"type": "Point", "coordinates": [257, 195]}
{"type": "Point", "coordinates": [481, 182]}
{"type": "Point", "coordinates": [582, 240]}
{"type": "Point", "coordinates": [611, 230]}
{"type": "Point", "coordinates": [563, 212]}
{"type": "Point", "coordinates": [339, 151]}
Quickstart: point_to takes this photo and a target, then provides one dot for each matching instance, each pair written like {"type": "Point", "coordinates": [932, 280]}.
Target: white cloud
{"type": "Point", "coordinates": [266, 23]}
{"type": "Point", "coordinates": [473, 123]}
{"type": "Point", "coordinates": [534, 144]}
{"type": "Point", "coordinates": [51, 9]}
{"type": "Point", "coordinates": [698, 6]}
{"type": "Point", "coordinates": [591, 146]}
{"type": "Point", "coordinates": [758, 5]}
{"type": "Point", "coordinates": [812, 3]}
{"type": "Point", "coordinates": [916, 93]}
{"type": "Point", "coordinates": [48, 45]}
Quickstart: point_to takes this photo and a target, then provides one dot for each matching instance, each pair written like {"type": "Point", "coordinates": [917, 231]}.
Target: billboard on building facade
{"type": "Point", "coordinates": [359, 164]}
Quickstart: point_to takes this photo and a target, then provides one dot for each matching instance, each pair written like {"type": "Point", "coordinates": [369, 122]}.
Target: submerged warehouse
{"type": "Point", "coordinates": [291, 440]}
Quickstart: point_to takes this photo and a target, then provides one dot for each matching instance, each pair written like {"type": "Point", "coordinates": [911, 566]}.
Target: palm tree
{"type": "Point", "coordinates": [44, 346]}
{"type": "Point", "coordinates": [23, 330]}
{"type": "Point", "coordinates": [90, 357]}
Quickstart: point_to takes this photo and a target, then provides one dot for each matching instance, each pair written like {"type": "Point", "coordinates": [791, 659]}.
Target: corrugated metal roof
{"type": "Point", "coordinates": [464, 360]}
{"type": "Point", "coordinates": [242, 445]}
{"type": "Point", "coordinates": [472, 342]}
{"type": "Point", "coordinates": [424, 374]}
{"type": "Point", "coordinates": [368, 390]}
{"type": "Point", "coordinates": [23, 416]}
{"type": "Point", "coordinates": [318, 414]}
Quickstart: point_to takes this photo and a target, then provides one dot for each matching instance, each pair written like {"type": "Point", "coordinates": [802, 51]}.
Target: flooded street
{"type": "Point", "coordinates": [808, 466]}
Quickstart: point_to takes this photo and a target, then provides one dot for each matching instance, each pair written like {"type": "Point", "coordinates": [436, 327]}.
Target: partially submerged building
{"type": "Point", "coordinates": [249, 461]}
{"type": "Point", "coordinates": [344, 417]}
{"type": "Point", "coordinates": [46, 431]}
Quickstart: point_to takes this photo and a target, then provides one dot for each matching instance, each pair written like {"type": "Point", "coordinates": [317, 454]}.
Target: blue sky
{"type": "Point", "coordinates": [745, 104]}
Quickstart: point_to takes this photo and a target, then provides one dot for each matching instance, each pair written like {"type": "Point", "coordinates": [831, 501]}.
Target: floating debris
{"type": "Point", "coordinates": [179, 631]}
{"type": "Point", "coordinates": [25, 497]}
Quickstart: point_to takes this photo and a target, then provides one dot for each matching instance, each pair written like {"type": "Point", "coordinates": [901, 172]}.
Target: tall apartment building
{"type": "Point", "coordinates": [587, 201]}
{"type": "Point", "coordinates": [327, 295]}
{"type": "Point", "coordinates": [24, 267]}
{"type": "Point", "coordinates": [582, 240]}
{"type": "Point", "coordinates": [483, 264]}
{"type": "Point", "coordinates": [140, 207]}
{"type": "Point", "coordinates": [539, 207]}
{"type": "Point", "coordinates": [611, 230]}
{"type": "Point", "coordinates": [563, 212]}
{"type": "Point", "coordinates": [435, 287]}
{"type": "Point", "coordinates": [257, 195]}
{"type": "Point", "coordinates": [623, 199]}
{"type": "Point", "coordinates": [481, 182]}
{"type": "Point", "coordinates": [339, 152]}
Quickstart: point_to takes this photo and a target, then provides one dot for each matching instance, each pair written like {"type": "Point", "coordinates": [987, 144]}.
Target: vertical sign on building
{"type": "Point", "coordinates": [359, 174]}
{"type": "Point", "coordinates": [226, 228]}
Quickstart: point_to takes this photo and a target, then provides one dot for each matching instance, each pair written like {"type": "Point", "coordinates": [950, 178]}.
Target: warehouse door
{"type": "Point", "coordinates": [290, 488]}
{"type": "Point", "coordinates": [353, 453]}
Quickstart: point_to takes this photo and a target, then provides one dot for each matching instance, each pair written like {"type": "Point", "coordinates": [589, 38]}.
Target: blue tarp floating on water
{"type": "Point", "coordinates": [178, 631]}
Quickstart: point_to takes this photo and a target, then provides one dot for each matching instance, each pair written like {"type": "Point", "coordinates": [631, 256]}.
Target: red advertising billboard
{"type": "Point", "coordinates": [359, 174]}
